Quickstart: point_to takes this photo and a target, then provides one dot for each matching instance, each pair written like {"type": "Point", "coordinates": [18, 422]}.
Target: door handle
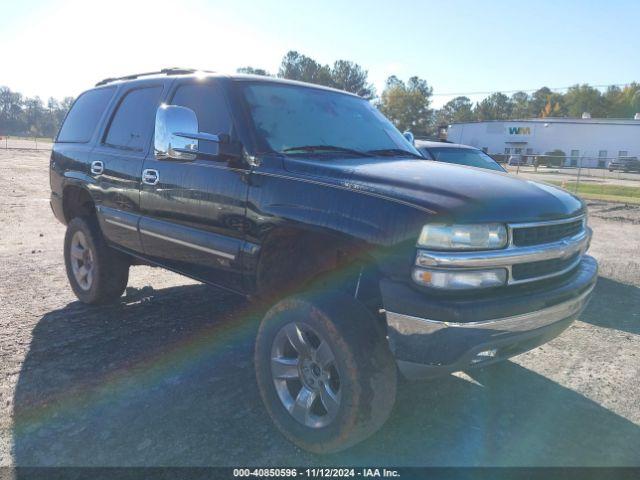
{"type": "Point", "coordinates": [150, 176]}
{"type": "Point", "coordinates": [97, 167]}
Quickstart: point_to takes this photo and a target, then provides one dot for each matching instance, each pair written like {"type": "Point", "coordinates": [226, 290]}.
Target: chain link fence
{"type": "Point", "coordinates": [9, 142]}
{"type": "Point", "coordinates": [605, 178]}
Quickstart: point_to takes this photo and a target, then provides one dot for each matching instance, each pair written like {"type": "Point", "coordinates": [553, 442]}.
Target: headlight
{"type": "Point", "coordinates": [487, 236]}
{"type": "Point", "coordinates": [460, 279]}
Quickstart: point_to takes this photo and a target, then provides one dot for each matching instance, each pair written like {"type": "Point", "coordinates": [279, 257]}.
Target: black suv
{"type": "Point", "coordinates": [309, 199]}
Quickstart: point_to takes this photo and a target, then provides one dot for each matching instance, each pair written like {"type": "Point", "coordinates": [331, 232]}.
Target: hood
{"type": "Point", "coordinates": [453, 192]}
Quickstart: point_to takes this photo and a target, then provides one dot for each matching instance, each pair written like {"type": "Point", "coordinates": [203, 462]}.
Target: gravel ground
{"type": "Point", "coordinates": [166, 376]}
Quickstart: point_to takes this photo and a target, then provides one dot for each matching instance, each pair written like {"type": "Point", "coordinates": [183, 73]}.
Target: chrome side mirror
{"type": "Point", "coordinates": [409, 136]}
{"type": "Point", "coordinates": [177, 135]}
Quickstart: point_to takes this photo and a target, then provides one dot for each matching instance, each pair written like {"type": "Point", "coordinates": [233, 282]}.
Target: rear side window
{"type": "Point", "coordinates": [133, 121]}
{"type": "Point", "coordinates": [208, 102]}
{"type": "Point", "coordinates": [84, 116]}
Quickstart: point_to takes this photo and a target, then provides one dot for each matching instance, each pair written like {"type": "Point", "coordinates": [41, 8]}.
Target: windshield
{"type": "Point", "coordinates": [290, 117]}
{"type": "Point", "coordinates": [465, 156]}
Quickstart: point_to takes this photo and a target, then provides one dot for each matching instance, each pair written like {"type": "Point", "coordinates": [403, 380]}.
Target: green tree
{"type": "Point", "coordinates": [34, 114]}
{"type": "Point", "coordinates": [538, 101]}
{"type": "Point", "coordinates": [11, 118]}
{"type": "Point", "coordinates": [520, 105]}
{"type": "Point", "coordinates": [584, 98]}
{"type": "Point", "coordinates": [20, 116]}
{"type": "Point", "coordinates": [496, 106]}
{"type": "Point", "coordinates": [296, 66]}
{"type": "Point", "coordinates": [613, 101]}
{"type": "Point", "coordinates": [253, 71]}
{"type": "Point", "coordinates": [546, 103]}
{"type": "Point", "coordinates": [345, 75]}
{"type": "Point", "coordinates": [351, 77]}
{"type": "Point", "coordinates": [459, 109]}
{"type": "Point", "coordinates": [631, 94]}
{"type": "Point", "coordinates": [66, 103]}
{"type": "Point", "coordinates": [622, 102]}
{"type": "Point", "coordinates": [407, 105]}
{"type": "Point", "coordinates": [49, 121]}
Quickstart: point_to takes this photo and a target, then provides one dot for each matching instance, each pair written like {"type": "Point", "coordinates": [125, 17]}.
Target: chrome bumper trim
{"type": "Point", "coordinates": [408, 325]}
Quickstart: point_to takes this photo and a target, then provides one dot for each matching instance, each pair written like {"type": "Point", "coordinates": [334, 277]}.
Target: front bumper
{"type": "Point", "coordinates": [501, 325]}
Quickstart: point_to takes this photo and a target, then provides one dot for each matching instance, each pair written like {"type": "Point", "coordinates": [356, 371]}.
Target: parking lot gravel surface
{"type": "Point", "coordinates": [165, 377]}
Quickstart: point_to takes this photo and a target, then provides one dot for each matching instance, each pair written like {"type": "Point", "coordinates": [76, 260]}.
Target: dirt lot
{"type": "Point", "coordinates": [166, 376]}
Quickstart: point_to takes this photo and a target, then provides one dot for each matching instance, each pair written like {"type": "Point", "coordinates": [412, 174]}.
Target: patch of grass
{"type": "Point", "coordinates": [615, 193]}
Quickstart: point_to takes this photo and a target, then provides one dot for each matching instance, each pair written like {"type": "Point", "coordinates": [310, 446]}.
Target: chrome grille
{"type": "Point", "coordinates": [546, 233]}
{"type": "Point", "coordinates": [536, 251]}
{"type": "Point", "coordinates": [544, 268]}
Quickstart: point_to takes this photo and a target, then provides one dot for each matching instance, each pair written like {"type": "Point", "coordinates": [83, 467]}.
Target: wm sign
{"type": "Point", "coordinates": [519, 130]}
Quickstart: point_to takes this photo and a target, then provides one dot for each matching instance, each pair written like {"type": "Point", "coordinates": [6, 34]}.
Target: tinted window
{"type": "Point", "coordinates": [209, 104]}
{"type": "Point", "coordinates": [465, 156]}
{"type": "Point", "coordinates": [84, 116]}
{"type": "Point", "coordinates": [133, 122]}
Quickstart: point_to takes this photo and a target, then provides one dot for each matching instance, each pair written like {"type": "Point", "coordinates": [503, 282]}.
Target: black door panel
{"type": "Point", "coordinates": [194, 217]}
{"type": "Point", "coordinates": [121, 227]}
{"type": "Point", "coordinates": [120, 156]}
{"type": "Point", "coordinates": [205, 255]}
{"type": "Point", "coordinates": [118, 195]}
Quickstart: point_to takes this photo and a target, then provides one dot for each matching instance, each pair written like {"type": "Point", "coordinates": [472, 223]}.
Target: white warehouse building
{"type": "Point", "coordinates": [588, 142]}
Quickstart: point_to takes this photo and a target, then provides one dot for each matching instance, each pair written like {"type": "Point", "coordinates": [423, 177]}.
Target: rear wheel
{"type": "Point", "coordinates": [324, 371]}
{"type": "Point", "coordinates": [97, 273]}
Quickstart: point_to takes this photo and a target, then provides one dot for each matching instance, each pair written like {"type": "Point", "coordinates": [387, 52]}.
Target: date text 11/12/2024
{"type": "Point", "coordinates": [317, 472]}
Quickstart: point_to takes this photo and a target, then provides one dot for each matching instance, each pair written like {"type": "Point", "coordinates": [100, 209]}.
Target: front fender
{"type": "Point", "coordinates": [386, 229]}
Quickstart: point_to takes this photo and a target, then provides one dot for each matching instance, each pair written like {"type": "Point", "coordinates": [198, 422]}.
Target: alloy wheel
{"type": "Point", "coordinates": [82, 260]}
{"type": "Point", "coordinates": [305, 375]}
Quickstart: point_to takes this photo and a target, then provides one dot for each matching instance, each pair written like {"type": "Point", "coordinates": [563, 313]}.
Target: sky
{"type": "Point", "coordinates": [61, 48]}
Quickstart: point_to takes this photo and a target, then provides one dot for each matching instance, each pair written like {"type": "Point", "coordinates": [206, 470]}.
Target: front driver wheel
{"type": "Point", "coordinates": [324, 370]}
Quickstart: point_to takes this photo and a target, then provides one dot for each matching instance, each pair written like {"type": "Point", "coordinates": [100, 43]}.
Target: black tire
{"type": "Point", "coordinates": [110, 268]}
{"type": "Point", "coordinates": [362, 359]}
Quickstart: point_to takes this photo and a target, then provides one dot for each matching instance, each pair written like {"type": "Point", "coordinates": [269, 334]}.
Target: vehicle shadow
{"type": "Point", "coordinates": [166, 378]}
{"type": "Point", "coordinates": [614, 305]}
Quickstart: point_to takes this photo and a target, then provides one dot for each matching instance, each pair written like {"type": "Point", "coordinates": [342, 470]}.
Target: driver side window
{"type": "Point", "coordinates": [208, 102]}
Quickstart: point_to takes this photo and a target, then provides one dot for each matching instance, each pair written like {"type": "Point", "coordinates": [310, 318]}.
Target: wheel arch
{"type": "Point", "coordinates": [294, 258]}
{"type": "Point", "coordinates": [77, 202]}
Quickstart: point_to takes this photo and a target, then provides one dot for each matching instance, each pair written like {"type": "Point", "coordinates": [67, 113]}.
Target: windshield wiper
{"type": "Point", "coordinates": [391, 152]}
{"type": "Point", "coordinates": [326, 148]}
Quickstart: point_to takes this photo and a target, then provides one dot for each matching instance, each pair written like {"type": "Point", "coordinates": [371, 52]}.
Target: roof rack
{"type": "Point", "coordinates": [164, 71]}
